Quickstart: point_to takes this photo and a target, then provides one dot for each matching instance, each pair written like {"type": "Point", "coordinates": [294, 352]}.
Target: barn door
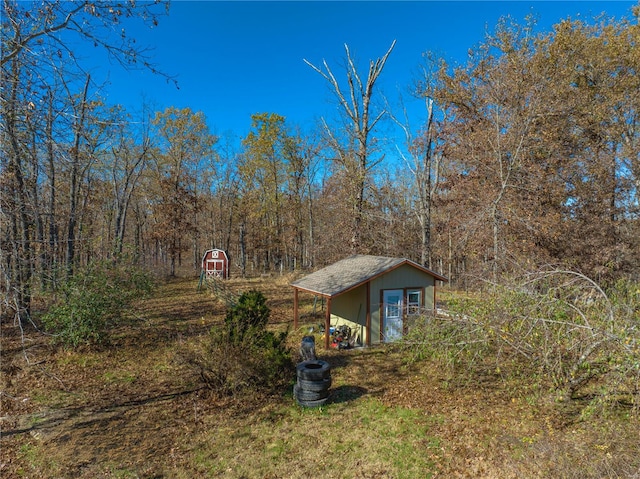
{"type": "Point", "coordinates": [215, 267]}
{"type": "Point", "coordinates": [392, 306]}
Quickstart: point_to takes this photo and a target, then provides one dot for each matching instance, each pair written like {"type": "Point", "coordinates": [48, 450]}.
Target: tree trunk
{"type": "Point", "coordinates": [52, 253]}
{"type": "Point", "coordinates": [20, 264]}
{"type": "Point", "coordinates": [243, 250]}
{"type": "Point", "coordinates": [74, 187]}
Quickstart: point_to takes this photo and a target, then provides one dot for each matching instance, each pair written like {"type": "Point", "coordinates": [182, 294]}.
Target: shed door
{"type": "Point", "coordinates": [392, 309]}
{"type": "Point", "coordinates": [215, 267]}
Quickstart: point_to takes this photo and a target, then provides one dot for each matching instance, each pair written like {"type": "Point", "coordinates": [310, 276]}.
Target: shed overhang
{"type": "Point", "coordinates": [351, 273]}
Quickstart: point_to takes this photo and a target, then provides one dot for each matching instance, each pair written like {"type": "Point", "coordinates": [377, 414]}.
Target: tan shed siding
{"type": "Point", "coordinates": [352, 305]}
{"type": "Point", "coordinates": [375, 322]}
{"type": "Point", "coordinates": [429, 291]}
{"type": "Point", "coordinates": [403, 277]}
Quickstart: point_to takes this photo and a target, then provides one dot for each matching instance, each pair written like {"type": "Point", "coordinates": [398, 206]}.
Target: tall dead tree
{"type": "Point", "coordinates": [354, 152]}
{"type": "Point", "coordinates": [423, 160]}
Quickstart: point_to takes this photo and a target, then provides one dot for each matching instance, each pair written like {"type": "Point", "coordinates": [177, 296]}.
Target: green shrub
{"type": "Point", "coordinates": [92, 301]}
{"type": "Point", "coordinates": [249, 315]}
{"type": "Point", "coordinates": [244, 355]}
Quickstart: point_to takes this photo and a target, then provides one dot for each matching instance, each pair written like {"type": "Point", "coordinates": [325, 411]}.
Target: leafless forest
{"type": "Point", "coordinates": [530, 157]}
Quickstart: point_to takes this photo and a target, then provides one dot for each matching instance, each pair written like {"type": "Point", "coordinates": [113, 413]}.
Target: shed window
{"type": "Point", "coordinates": [414, 301]}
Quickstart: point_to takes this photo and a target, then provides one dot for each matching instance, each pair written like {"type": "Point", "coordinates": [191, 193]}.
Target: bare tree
{"type": "Point", "coordinates": [75, 175]}
{"type": "Point", "coordinates": [127, 162]}
{"type": "Point", "coordinates": [423, 160]}
{"type": "Point", "coordinates": [355, 156]}
{"type": "Point", "coordinates": [36, 56]}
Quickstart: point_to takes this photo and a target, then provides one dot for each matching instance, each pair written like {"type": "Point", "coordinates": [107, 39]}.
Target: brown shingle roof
{"type": "Point", "coordinates": [351, 272]}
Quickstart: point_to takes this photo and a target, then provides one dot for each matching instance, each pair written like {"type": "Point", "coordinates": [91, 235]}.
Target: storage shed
{"type": "Point", "coordinates": [374, 295]}
{"type": "Point", "coordinates": [215, 263]}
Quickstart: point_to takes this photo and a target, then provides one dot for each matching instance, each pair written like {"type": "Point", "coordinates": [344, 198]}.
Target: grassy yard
{"type": "Point", "coordinates": [136, 410]}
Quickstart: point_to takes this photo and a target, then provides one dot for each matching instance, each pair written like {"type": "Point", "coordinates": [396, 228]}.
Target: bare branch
{"type": "Point", "coordinates": [356, 110]}
{"type": "Point", "coordinates": [19, 44]}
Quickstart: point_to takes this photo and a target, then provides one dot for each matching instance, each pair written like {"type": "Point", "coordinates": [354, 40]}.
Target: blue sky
{"type": "Point", "coordinates": [233, 59]}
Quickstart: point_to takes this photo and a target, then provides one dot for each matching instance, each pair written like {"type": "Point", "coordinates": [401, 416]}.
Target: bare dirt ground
{"type": "Point", "coordinates": [128, 402]}
{"type": "Point", "coordinates": [134, 409]}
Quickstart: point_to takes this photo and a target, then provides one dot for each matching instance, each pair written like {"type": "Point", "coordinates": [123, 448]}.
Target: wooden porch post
{"type": "Point", "coordinates": [368, 317]}
{"type": "Point", "coordinates": [327, 323]}
{"type": "Point", "coordinates": [295, 309]}
{"type": "Point", "coordinates": [435, 308]}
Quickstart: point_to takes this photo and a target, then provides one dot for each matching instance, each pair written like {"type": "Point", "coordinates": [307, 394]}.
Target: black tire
{"type": "Point", "coordinates": [320, 385]}
{"type": "Point", "coordinates": [314, 370]}
{"type": "Point", "coordinates": [318, 403]}
{"type": "Point", "coordinates": [303, 395]}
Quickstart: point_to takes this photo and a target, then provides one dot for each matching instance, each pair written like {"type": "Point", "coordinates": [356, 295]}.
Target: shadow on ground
{"type": "Point", "coordinates": [343, 394]}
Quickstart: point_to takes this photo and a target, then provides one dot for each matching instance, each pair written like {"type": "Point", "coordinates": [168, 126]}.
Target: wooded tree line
{"type": "Point", "coordinates": [540, 147]}
{"type": "Point", "coordinates": [530, 155]}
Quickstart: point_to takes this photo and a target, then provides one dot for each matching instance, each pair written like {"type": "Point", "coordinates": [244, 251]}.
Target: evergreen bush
{"type": "Point", "coordinates": [244, 355]}
{"type": "Point", "coordinates": [91, 302]}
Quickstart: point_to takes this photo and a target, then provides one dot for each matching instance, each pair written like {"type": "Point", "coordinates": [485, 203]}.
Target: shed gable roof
{"type": "Point", "coordinates": [350, 272]}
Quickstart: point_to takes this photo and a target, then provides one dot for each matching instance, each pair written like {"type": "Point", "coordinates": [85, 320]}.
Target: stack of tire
{"type": "Point", "coordinates": [313, 383]}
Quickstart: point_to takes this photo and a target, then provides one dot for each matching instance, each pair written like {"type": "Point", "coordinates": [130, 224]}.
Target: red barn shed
{"type": "Point", "coordinates": [215, 262]}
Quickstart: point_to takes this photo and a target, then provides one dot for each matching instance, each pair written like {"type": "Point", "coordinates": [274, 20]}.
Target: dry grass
{"type": "Point", "coordinates": [135, 410]}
